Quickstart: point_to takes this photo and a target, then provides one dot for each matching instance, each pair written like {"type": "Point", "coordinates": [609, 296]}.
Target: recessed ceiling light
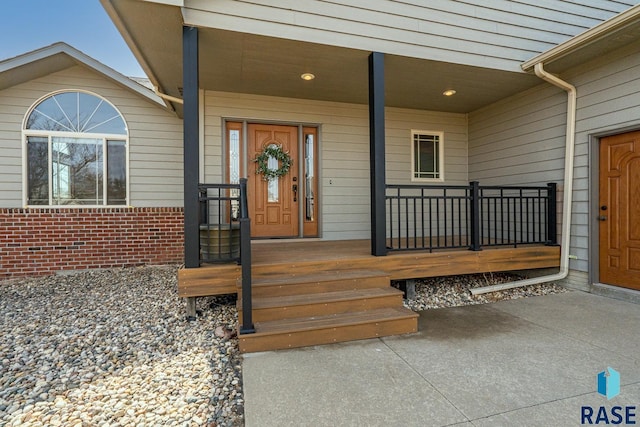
{"type": "Point", "coordinates": [449, 92]}
{"type": "Point", "coordinates": [307, 76]}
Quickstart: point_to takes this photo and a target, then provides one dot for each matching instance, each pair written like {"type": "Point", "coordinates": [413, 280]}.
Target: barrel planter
{"type": "Point", "coordinates": [220, 242]}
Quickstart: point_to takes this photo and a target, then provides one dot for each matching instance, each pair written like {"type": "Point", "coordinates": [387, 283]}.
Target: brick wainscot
{"type": "Point", "coordinates": [42, 241]}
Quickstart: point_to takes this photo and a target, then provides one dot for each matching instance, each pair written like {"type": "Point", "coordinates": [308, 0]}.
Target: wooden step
{"type": "Point", "coordinates": [320, 282]}
{"type": "Point", "coordinates": [315, 330]}
{"type": "Point", "coordinates": [320, 304]}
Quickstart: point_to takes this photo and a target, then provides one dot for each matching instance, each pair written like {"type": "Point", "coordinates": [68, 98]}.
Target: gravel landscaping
{"type": "Point", "coordinates": [112, 348]}
{"type": "Point", "coordinates": [454, 291]}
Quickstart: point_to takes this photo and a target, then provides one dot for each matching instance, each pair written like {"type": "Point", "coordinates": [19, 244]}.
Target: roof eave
{"type": "Point", "coordinates": [83, 59]}
{"type": "Point", "coordinates": [592, 35]}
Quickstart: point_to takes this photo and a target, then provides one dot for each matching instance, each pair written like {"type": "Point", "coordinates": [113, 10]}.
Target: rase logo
{"type": "Point", "coordinates": [608, 385]}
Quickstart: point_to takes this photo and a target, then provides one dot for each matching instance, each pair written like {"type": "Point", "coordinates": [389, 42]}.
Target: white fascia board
{"type": "Point", "coordinates": [599, 31]}
{"type": "Point", "coordinates": [27, 58]}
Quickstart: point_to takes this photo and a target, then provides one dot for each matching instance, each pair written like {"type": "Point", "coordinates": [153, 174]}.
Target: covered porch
{"type": "Point", "coordinates": [376, 222]}
{"type": "Point", "coordinates": [300, 292]}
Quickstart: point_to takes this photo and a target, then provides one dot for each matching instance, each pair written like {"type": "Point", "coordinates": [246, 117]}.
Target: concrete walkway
{"type": "Point", "coordinates": [530, 361]}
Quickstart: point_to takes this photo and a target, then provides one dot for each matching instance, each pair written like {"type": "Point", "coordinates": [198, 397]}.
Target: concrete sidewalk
{"type": "Point", "coordinates": [530, 361]}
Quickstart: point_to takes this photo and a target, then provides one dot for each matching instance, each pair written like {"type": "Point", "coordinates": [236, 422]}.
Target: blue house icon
{"type": "Point", "coordinates": [609, 383]}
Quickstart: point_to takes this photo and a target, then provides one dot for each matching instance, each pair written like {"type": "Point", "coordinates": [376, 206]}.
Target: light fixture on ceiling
{"type": "Point", "coordinates": [449, 92]}
{"type": "Point", "coordinates": [307, 76]}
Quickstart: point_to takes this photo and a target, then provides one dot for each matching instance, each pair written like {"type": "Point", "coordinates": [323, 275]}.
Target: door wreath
{"type": "Point", "coordinates": [262, 160]}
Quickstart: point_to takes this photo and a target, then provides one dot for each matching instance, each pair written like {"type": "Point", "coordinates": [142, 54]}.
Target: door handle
{"type": "Point", "coordinates": [295, 192]}
{"type": "Point", "coordinates": [602, 218]}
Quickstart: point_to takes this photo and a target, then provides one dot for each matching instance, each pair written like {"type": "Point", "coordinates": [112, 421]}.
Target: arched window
{"type": "Point", "coordinates": [76, 151]}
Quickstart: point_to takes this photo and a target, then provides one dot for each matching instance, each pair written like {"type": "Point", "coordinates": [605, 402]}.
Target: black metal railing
{"type": "Point", "coordinates": [517, 215]}
{"type": "Point", "coordinates": [430, 217]}
{"type": "Point", "coordinates": [427, 217]}
{"type": "Point", "coordinates": [219, 226]}
{"type": "Point", "coordinates": [225, 235]}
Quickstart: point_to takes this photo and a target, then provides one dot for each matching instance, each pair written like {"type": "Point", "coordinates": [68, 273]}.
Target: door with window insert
{"type": "Point", "coordinates": [285, 206]}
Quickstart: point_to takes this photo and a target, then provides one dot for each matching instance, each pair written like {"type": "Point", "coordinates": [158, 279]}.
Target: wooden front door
{"type": "Point", "coordinates": [619, 210]}
{"type": "Point", "coordinates": [273, 204]}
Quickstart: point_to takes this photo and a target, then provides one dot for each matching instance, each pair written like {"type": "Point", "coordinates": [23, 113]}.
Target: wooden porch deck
{"type": "Point", "coordinates": [319, 292]}
{"type": "Point", "coordinates": [288, 259]}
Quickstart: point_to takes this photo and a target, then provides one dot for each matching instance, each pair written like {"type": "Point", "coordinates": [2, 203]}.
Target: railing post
{"type": "Point", "coordinates": [552, 224]}
{"type": "Point", "coordinates": [474, 188]}
{"type": "Point", "coordinates": [246, 325]}
{"type": "Point", "coordinates": [204, 205]}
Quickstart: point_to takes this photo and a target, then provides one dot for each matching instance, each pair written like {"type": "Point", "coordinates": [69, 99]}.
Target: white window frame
{"type": "Point", "coordinates": [26, 133]}
{"type": "Point", "coordinates": [440, 136]}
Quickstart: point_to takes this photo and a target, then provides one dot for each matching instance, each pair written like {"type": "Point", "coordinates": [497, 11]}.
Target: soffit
{"type": "Point", "coordinates": [36, 69]}
{"type": "Point", "coordinates": [245, 63]}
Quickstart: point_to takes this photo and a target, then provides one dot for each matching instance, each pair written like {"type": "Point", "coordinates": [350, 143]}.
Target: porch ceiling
{"type": "Point", "coordinates": [246, 63]}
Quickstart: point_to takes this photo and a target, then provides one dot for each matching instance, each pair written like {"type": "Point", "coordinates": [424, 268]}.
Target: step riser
{"type": "Point", "coordinates": [277, 290]}
{"type": "Point", "coordinates": [286, 340]}
{"type": "Point", "coordinates": [326, 308]}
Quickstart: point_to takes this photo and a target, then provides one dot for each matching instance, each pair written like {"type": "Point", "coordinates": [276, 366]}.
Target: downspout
{"type": "Point", "coordinates": [568, 190]}
{"type": "Point", "coordinates": [170, 98]}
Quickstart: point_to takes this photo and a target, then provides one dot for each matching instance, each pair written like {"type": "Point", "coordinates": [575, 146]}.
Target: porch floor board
{"type": "Point", "coordinates": [288, 259]}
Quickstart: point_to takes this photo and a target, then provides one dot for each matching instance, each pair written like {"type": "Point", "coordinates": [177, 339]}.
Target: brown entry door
{"type": "Point", "coordinates": [619, 210]}
{"type": "Point", "coordinates": [273, 204]}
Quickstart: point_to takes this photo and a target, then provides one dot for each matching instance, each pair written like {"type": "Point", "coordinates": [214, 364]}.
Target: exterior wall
{"type": "Point", "coordinates": [43, 241]}
{"type": "Point", "coordinates": [495, 34]}
{"type": "Point", "coordinates": [344, 149]}
{"type": "Point", "coordinates": [608, 102]}
{"type": "Point", "coordinates": [36, 241]}
{"type": "Point", "coordinates": [155, 137]}
{"type": "Point", "coordinates": [521, 140]}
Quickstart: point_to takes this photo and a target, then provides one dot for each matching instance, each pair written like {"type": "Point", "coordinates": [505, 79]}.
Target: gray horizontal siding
{"type": "Point", "coordinates": [155, 137]}
{"type": "Point", "coordinates": [495, 34]}
{"type": "Point", "coordinates": [520, 140]}
{"type": "Point", "coordinates": [344, 145]}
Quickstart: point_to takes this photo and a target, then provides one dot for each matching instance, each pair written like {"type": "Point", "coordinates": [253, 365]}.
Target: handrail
{"type": "Point", "coordinates": [246, 324]}
{"type": "Point", "coordinates": [225, 235]}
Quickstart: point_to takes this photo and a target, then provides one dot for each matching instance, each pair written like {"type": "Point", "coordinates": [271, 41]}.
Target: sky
{"type": "Point", "coordinates": [27, 25]}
